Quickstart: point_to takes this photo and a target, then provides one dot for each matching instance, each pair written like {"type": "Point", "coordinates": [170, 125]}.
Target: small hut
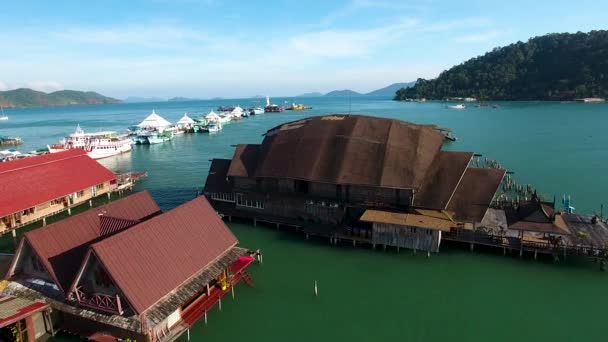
{"type": "Point", "coordinates": [186, 123]}
{"type": "Point", "coordinates": [154, 122]}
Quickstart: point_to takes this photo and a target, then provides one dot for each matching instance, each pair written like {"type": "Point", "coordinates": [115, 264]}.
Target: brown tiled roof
{"type": "Point", "coordinates": [475, 193]}
{"type": "Point", "coordinates": [150, 260]}
{"type": "Point", "coordinates": [348, 149]}
{"type": "Point", "coordinates": [244, 161]}
{"type": "Point", "coordinates": [443, 177]}
{"type": "Point", "coordinates": [406, 219]}
{"type": "Point", "coordinates": [61, 246]}
{"type": "Point", "coordinates": [558, 226]}
{"type": "Point", "coordinates": [217, 177]}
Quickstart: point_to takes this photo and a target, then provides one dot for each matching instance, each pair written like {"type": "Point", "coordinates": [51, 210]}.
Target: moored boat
{"type": "Point", "coordinates": [97, 145]}
{"type": "Point", "coordinates": [256, 111]}
{"type": "Point", "coordinates": [2, 116]}
{"type": "Point", "coordinates": [457, 106]}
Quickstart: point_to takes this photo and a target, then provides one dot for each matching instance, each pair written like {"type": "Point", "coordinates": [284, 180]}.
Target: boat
{"type": "Point", "coordinates": [4, 140]}
{"type": "Point", "coordinates": [457, 106]}
{"type": "Point", "coordinates": [214, 127]}
{"type": "Point", "coordinates": [2, 116]}
{"type": "Point", "coordinates": [225, 108]}
{"type": "Point", "coordinates": [97, 145]}
{"type": "Point", "coordinates": [10, 154]}
{"type": "Point", "coordinates": [272, 108]}
{"type": "Point", "coordinates": [214, 123]}
{"type": "Point", "coordinates": [159, 138]}
{"type": "Point", "coordinates": [298, 107]}
{"type": "Point", "coordinates": [256, 111]}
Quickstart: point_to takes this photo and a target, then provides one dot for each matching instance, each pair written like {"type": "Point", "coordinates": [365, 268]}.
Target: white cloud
{"type": "Point", "coordinates": [3, 86]}
{"type": "Point", "coordinates": [480, 37]}
{"type": "Point", "coordinates": [142, 35]}
{"type": "Point", "coordinates": [333, 43]}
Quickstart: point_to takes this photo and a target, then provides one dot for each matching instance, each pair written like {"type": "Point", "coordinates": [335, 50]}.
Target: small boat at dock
{"type": "Point", "coordinates": [12, 141]}
{"type": "Point", "coordinates": [272, 108]}
{"type": "Point", "coordinates": [298, 107]}
{"type": "Point", "coordinates": [2, 116]}
{"type": "Point", "coordinates": [256, 111]}
{"type": "Point", "coordinates": [457, 106]}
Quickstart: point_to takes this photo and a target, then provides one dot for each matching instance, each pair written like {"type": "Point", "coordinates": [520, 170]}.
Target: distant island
{"type": "Point", "coordinates": [313, 94]}
{"type": "Point", "coordinates": [391, 89]}
{"type": "Point", "coordinates": [560, 66]}
{"type": "Point", "coordinates": [386, 91]}
{"type": "Point", "coordinates": [181, 99]}
{"type": "Point", "coordinates": [136, 99]}
{"type": "Point", "coordinates": [24, 97]}
{"type": "Point", "coordinates": [345, 92]}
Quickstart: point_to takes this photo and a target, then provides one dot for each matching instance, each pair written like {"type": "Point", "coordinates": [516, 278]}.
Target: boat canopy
{"type": "Point", "coordinates": [185, 120]}
{"type": "Point", "coordinates": [154, 121]}
{"type": "Point", "coordinates": [212, 116]}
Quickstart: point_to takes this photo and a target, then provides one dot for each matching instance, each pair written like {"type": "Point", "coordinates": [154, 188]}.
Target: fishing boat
{"type": "Point", "coordinates": [2, 116]}
{"type": "Point", "coordinates": [272, 108]}
{"type": "Point", "coordinates": [214, 123]}
{"type": "Point", "coordinates": [457, 106]}
{"type": "Point", "coordinates": [298, 107]}
{"type": "Point", "coordinates": [4, 140]}
{"type": "Point", "coordinates": [214, 127]}
{"type": "Point", "coordinates": [10, 154]}
{"type": "Point", "coordinates": [159, 138]}
{"type": "Point", "coordinates": [97, 145]}
{"type": "Point", "coordinates": [256, 111]}
{"type": "Point", "coordinates": [225, 108]}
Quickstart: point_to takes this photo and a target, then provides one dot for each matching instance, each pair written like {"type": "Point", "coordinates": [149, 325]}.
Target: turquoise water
{"type": "Point", "coordinates": [372, 295]}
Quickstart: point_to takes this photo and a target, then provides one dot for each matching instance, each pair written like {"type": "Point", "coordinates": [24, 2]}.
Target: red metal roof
{"type": "Point", "coordinates": [153, 258]}
{"type": "Point", "coordinates": [31, 181]}
{"type": "Point", "coordinates": [15, 309]}
{"type": "Point", "coordinates": [63, 245]}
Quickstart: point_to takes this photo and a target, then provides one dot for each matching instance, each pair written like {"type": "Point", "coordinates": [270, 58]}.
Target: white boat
{"type": "Point", "coordinates": [97, 145]}
{"type": "Point", "coordinates": [458, 106]}
{"type": "Point", "coordinates": [214, 122]}
{"type": "Point", "coordinates": [214, 127]}
{"type": "Point", "coordinates": [2, 116]}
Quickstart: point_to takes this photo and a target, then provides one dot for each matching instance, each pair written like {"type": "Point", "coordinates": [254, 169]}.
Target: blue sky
{"type": "Point", "coordinates": [209, 48]}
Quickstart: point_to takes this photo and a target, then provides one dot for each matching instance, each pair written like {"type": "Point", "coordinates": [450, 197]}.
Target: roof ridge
{"type": "Point", "coordinates": [45, 163]}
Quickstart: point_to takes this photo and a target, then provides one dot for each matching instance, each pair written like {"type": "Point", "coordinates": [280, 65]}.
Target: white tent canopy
{"type": "Point", "coordinates": [212, 116]}
{"type": "Point", "coordinates": [154, 121]}
{"type": "Point", "coordinates": [185, 120]}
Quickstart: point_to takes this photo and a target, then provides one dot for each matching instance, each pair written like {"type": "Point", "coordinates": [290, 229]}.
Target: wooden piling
{"type": "Point", "coordinates": [90, 203]}
{"type": "Point", "coordinates": [232, 291]}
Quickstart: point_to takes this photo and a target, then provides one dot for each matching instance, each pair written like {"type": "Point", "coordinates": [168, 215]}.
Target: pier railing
{"type": "Point", "coordinates": [99, 301]}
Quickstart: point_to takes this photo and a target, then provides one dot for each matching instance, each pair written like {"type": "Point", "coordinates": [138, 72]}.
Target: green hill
{"type": "Point", "coordinates": [560, 66]}
{"type": "Point", "coordinates": [346, 92]}
{"type": "Point", "coordinates": [391, 89]}
{"type": "Point", "coordinates": [24, 97]}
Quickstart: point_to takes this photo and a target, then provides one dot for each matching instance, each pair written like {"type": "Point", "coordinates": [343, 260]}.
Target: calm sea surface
{"type": "Point", "coordinates": [365, 295]}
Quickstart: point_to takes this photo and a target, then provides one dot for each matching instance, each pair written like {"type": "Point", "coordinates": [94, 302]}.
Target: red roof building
{"type": "Point", "coordinates": [129, 271]}
{"type": "Point", "coordinates": [36, 187]}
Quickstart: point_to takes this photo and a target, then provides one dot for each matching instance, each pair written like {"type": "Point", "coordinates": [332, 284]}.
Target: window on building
{"type": "Point", "coordinates": [28, 211]}
{"type": "Point", "coordinates": [57, 201]}
{"type": "Point", "coordinates": [99, 186]}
